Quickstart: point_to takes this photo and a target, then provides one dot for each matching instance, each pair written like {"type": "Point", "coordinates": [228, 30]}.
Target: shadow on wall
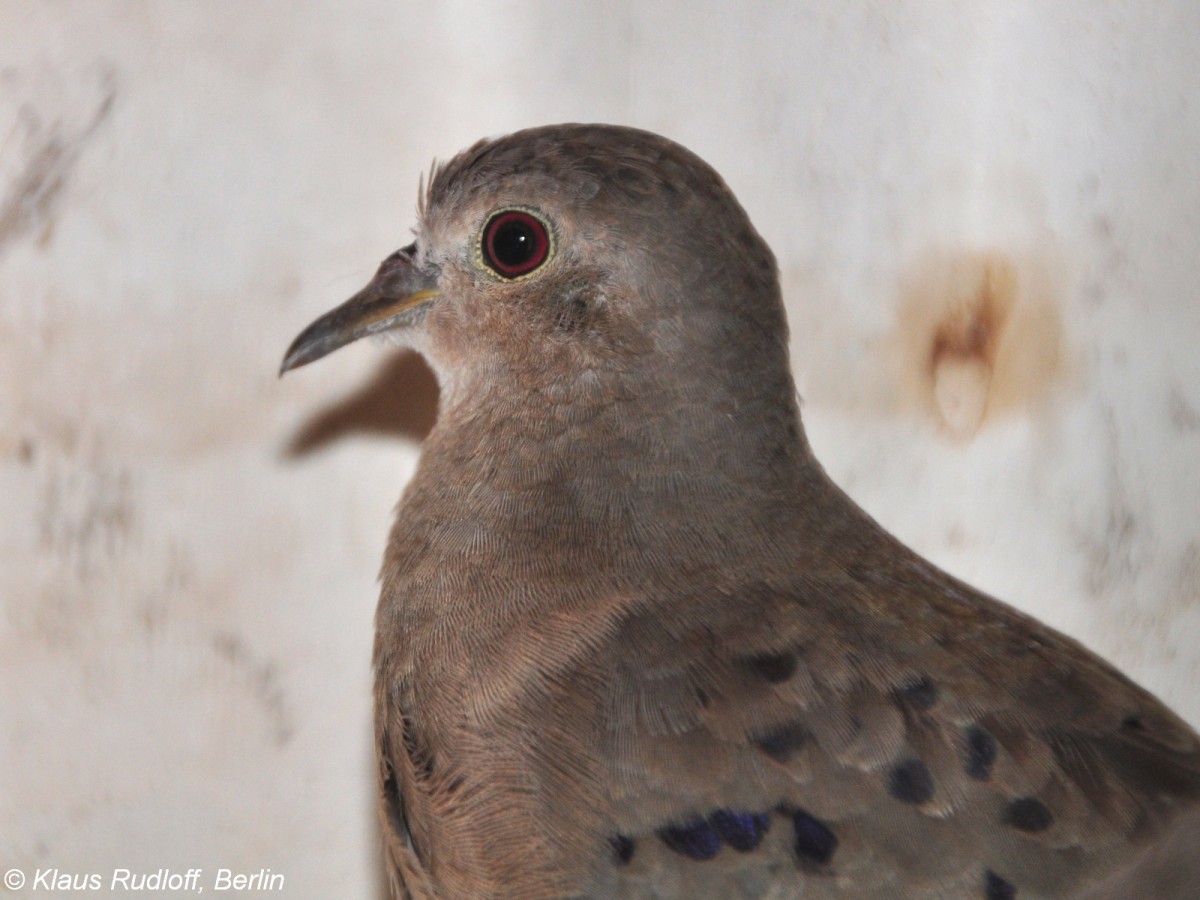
{"type": "Point", "coordinates": [399, 401]}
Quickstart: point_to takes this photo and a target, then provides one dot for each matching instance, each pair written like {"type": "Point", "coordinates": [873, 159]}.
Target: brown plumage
{"type": "Point", "coordinates": [633, 642]}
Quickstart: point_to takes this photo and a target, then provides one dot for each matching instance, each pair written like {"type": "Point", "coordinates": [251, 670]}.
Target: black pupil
{"type": "Point", "coordinates": [513, 244]}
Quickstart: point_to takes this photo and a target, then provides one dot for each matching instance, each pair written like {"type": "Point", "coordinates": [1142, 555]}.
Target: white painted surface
{"type": "Point", "coordinates": [188, 546]}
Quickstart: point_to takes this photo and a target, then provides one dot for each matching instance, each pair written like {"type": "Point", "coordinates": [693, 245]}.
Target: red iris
{"type": "Point", "coordinates": [515, 243]}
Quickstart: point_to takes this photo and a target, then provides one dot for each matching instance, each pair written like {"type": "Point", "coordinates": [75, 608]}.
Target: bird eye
{"type": "Point", "coordinates": [514, 243]}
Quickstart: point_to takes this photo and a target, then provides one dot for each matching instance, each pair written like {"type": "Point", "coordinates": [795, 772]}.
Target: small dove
{"type": "Point", "coordinates": [633, 642]}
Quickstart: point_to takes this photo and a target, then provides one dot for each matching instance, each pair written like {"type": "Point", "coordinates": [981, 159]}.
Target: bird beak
{"type": "Point", "coordinates": [392, 298]}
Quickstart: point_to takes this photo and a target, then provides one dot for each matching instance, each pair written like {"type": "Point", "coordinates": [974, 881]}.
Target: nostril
{"type": "Point", "coordinates": [402, 257]}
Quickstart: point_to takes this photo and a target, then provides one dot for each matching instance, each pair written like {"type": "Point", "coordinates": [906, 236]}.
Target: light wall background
{"type": "Point", "coordinates": [988, 219]}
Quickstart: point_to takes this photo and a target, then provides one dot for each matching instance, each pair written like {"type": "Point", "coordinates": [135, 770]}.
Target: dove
{"type": "Point", "coordinates": [632, 641]}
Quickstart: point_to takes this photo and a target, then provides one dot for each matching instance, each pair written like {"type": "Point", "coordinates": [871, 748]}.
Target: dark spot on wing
{"type": "Point", "coordinates": [623, 848]}
{"type": "Point", "coordinates": [980, 753]}
{"type": "Point", "coordinates": [1133, 722]}
{"type": "Point", "coordinates": [910, 782]}
{"type": "Point", "coordinates": [996, 888]}
{"type": "Point", "coordinates": [1028, 814]}
{"type": "Point", "coordinates": [741, 831]}
{"type": "Point", "coordinates": [920, 693]}
{"type": "Point", "coordinates": [782, 742]}
{"type": "Point", "coordinates": [695, 839]}
{"type": "Point", "coordinates": [774, 667]}
{"type": "Point", "coordinates": [815, 842]}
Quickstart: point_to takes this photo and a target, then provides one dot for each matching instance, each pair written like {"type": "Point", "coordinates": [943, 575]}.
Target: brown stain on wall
{"type": "Point", "coordinates": [980, 336]}
{"type": "Point", "coordinates": [50, 145]}
{"type": "Point", "coordinates": [1183, 416]}
{"type": "Point", "coordinates": [86, 515]}
{"type": "Point", "coordinates": [264, 682]}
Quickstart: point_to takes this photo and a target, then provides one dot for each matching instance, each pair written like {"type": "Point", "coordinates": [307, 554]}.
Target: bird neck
{"type": "Point", "coordinates": [614, 452]}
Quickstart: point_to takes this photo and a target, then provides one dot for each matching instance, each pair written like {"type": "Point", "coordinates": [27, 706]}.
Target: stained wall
{"type": "Point", "coordinates": [986, 219]}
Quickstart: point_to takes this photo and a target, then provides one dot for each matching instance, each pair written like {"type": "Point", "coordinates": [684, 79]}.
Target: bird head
{"type": "Point", "coordinates": [575, 249]}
